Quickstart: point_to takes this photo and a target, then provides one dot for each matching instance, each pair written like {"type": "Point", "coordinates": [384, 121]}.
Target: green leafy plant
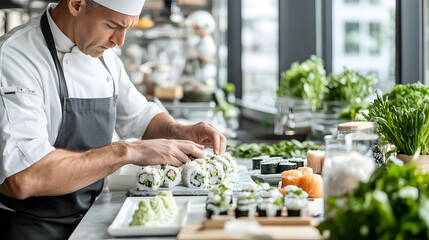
{"type": "Point", "coordinates": [403, 121]}
{"type": "Point", "coordinates": [285, 148]}
{"type": "Point", "coordinates": [305, 80]}
{"type": "Point", "coordinates": [394, 204]}
{"type": "Point", "coordinates": [349, 86]}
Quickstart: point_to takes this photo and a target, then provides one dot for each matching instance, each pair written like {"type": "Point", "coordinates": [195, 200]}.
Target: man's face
{"type": "Point", "coordinates": [101, 29]}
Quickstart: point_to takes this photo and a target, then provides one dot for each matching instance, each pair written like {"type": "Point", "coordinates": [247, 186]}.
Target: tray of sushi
{"type": "Point", "coordinates": [196, 177]}
{"type": "Point", "coordinates": [269, 169]}
{"type": "Point", "coordinates": [276, 215]}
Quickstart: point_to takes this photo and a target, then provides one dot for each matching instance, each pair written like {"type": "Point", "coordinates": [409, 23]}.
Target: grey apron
{"type": "Point", "coordinates": [86, 123]}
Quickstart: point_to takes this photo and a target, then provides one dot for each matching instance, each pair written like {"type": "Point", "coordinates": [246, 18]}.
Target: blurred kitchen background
{"type": "Point", "coordinates": [223, 61]}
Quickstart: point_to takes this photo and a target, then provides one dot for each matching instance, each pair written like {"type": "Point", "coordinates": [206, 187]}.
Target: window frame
{"type": "Point", "coordinates": [311, 23]}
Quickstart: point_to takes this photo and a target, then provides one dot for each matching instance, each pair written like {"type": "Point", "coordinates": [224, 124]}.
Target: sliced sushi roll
{"type": "Point", "coordinates": [171, 176]}
{"type": "Point", "coordinates": [269, 167]}
{"type": "Point", "coordinates": [256, 162]}
{"type": "Point", "coordinates": [194, 176]}
{"type": "Point", "coordinates": [286, 166]}
{"type": "Point", "coordinates": [149, 178]}
{"type": "Point", "coordinates": [231, 161]}
{"type": "Point", "coordinates": [299, 162]}
{"type": "Point", "coordinates": [228, 169]}
{"type": "Point", "coordinates": [295, 205]}
{"type": "Point", "coordinates": [246, 205]}
{"type": "Point", "coordinates": [219, 201]}
{"type": "Point", "coordinates": [215, 171]}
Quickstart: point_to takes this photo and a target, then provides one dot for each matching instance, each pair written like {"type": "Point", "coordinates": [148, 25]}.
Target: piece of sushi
{"type": "Point", "coordinates": [269, 167]}
{"type": "Point", "coordinates": [149, 178]}
{"type": "Point", "coordinates": [172, 176]}
{"type": "Point", "coordinates": [305, 170]}
{"type": "Point", "coordinates": [285, 166]}
{"type": "Point", "coordinates": [194, 176]}
{"type": "Point", "coordinates": [312, 184]}
{"type": "Point", "coordinates": [295, 206]}
{"type": "Point", "coordinates": [315, 160]}
{"type": "Point", "coordinates": [232, 162]}
{"type": "Point", "coordinates": [290, 177]}
{"type": "Point", "coordinates": [299, 162]}
{"type": "Point", "coordinates": [229, 166]}
{"type": "Point", "coordinates": [246, 205]}
{"type": "Point", "coordinates": [215, 171]}
{"type": "Point", "coordinates": [256, 162]}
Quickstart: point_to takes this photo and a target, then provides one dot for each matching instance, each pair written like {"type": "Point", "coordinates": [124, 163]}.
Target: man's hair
{"type": "Point", "coordinates": [90, 4]}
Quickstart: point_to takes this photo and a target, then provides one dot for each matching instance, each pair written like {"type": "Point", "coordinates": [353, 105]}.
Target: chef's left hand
{"type": "Point", "coordinates": [205, 134]}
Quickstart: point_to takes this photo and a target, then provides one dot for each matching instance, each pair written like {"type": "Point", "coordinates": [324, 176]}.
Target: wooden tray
{"type": "Point", "coordinates": [277, 228]}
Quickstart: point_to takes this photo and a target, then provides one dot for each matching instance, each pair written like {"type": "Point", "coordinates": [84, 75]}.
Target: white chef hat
{"type": "Point", "coordinates": [128, 7]}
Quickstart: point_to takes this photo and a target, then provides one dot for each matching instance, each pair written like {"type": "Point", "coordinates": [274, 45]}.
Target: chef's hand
{"type": "Point", "coordinates": [206, 135]}
{"type": "Point", "coordinates": [163, 151]}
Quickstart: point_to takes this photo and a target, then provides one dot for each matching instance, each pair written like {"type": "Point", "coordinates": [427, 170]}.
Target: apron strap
{"type": "Point", "coordinates": [46, 30]}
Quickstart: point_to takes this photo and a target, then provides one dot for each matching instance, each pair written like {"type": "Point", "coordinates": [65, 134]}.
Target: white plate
{"type": "Point", "coordinates": [120, 226]}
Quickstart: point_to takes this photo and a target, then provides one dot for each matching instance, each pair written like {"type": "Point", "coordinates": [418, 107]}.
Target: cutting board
{"type": "Point", "coordinates": [277, 228]}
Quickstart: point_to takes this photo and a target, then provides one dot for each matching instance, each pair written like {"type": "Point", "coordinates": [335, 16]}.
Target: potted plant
{"type": "Point", "coordinates": [304, 81]}
{"type": "Point", "coordinates": [346, 93]}
{"type": "Point", "coordinates": [402, 118]}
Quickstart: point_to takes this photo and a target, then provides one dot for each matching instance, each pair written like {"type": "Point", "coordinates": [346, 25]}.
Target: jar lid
{"type": "Point", "coordinates": [354, 126]}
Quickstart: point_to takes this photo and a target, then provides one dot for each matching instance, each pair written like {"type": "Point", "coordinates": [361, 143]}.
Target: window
{"type": "Point", "coordinates": [426, 42]}
{"type": "Point", "coordinates": [259, 50]}
{"type": "Point", "coordinates": [374, 38]}
{"type": "Point", "coordinates": [363, 39]}
{"type": "Point", "coordinates": [351, 1]}
{"type": "Point", "coordinates": [351, 38]}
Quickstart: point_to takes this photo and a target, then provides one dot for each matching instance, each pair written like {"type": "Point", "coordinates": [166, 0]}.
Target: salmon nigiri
{"type": "Point", "coordinates": [305, 170]}
{"type": "Point", "coordinates": [312, 184]}
{"type": "Point", "coordinates": [290, 177]}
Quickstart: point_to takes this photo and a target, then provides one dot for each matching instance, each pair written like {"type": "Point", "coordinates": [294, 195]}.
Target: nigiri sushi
{"type": "Point", "coordinates": [290, 177]}
{"type": "Point", "coordinates": [305, 170]}
{"type": "Point", "coordinates": [312, 184]}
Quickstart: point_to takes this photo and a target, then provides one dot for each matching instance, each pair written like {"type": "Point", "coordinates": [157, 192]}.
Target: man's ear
{"type": "Point", "coordinates": [76, 6]}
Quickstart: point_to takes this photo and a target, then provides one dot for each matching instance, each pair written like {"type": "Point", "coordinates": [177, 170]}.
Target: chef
{"type": "Point", "coordinates": [63, 92]}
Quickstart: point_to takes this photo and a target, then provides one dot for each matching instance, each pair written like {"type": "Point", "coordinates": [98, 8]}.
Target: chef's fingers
{"type": "Point", "coordinates": [217, 138]}
{"type": "Point", "coordinates": [174, 162]}
{"type": "Point", "coordinates": [191, 148]}
{"type": "Point", "coordinates": [181, 157]}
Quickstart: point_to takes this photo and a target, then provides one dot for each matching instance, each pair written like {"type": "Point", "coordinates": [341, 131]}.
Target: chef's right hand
{"type": "Point", "coordinates": [163, 151]}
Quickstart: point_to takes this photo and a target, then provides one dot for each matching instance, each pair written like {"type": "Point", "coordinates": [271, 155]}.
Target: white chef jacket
{"type": "Point", "coordinates": [30, 119]}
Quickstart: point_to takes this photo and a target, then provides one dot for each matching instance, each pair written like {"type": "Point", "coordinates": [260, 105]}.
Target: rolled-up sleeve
{"type": "Point", "coordinates": [23, 122]}
{"type": "Point", "coordinates": [134, 112]}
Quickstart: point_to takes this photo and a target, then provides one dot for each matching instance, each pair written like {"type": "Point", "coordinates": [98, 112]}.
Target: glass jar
{"type": "Point", "coordinates": [346, 163]}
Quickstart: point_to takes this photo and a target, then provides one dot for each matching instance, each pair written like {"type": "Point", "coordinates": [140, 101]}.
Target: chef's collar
{"type": "Point", "coordinates": [62, 42]}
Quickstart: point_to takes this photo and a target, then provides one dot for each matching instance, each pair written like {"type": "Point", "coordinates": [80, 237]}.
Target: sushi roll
{"type": "Point", "coordinates": [232, 162]}
{"type": "Point", "coordinates": [285, 166]}
{"type": "Point", "coordinates": [149, 178]}
{"type": "Point", "coordinates": [271, 204]}
{"type": "Point", "coordinates": [256, 162]}
{"type": "Point", "coordinates": [194, 176]}
{"type": "Point", "coordinates": [295, 206]}
{"type": "Point", "coordinates": [228, 167]}
{"type": "Point", "coordinates": [215, 171]}
{"type": "Point", "coordinates": [246, 206]}
{"type": "Point", "coordinates": [267, 208]}
{"type": "Point", "coordinates": [219, 201]}
{"type": "Point", "coordinates": [269, 167]}
{"type": "Point", "coordinates": [172, 176]}
{"type": "Point", "coordinates": [299, 162]}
